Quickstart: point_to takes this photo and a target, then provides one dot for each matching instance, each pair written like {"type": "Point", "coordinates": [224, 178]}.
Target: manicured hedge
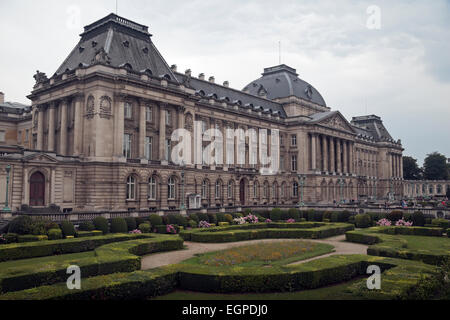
{"type": "Point", "coordinates": [265, 231]}
{"type": "Point", "coordinates": [15, 251]}
{"type": "Point", "coordinates": [55, 234]}
{"type": "Point", "coordinates": [131, 223]}
{"type": "Point", "coordinates": [101, 223]}
{"type": "Point", "coordinates": [93, 233]}
{"type": "Point", "coordinates": [31, 238]}
{"type": "Point", "coordinates": [145, 227]}
{"type": "Point", "coordinates": [110, 258]}
{"type": "Point", "coordinates": [359, 237]}
{"type": "Point", "coordinates": [155, 220]}
{"type": "Point", "coordinates": [86, 226]}
{"type": "Point", "coordinates": [67, 228]}
{"type": "Point", "coordinates": [119, 225]}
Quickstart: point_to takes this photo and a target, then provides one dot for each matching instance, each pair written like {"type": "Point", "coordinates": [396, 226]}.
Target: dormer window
{"type": "Point", "coordinates": [126, 44]}
{"type": "Point", "coordinates": [145, 50]}
{"type": "Point", "coordinates": [94, 44]}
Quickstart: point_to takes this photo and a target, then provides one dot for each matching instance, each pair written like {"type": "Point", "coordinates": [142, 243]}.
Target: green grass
{"type": "Point", "coordinates": [262, 254]}
{"type": "Point", "coordinates": [26, 266]}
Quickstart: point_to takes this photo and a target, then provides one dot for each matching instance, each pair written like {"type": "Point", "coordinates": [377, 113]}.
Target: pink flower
{"type": "Point", "coordinates": [404, 223]}
{"type": "Point", "coordinates": [170, 229]}
{"type": "Point", "coordinates": [384, 222]}
{"type": "Point", "coordinates": [204, 224]}
{"type": "Point", "coordinates": [290, 220]}
{"type": "Point", "coordinates": [268, 220]}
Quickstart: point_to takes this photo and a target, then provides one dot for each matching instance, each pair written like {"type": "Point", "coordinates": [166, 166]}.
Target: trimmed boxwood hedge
{"type": "Point", "coordinates": [31, 238]}
{"type": "Point", "coordinates": [55, 234]}
{"type": "Point", "coordinates": [101, 223]}
{"type": "Point", "coordinates": [110, 258]}
{"type": "Point", "coordinates": [93, 233]}
{"type": "Point", "coordinates": [119, 225]}
{"type": "Point", "coordinates": [67, 228]}
{"type": "Point", "coordinates": [15, 251]}
{"type": "Point", "coordinates": [266, 230]}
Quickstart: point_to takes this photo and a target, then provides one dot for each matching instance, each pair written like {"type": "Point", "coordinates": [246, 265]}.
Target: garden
{"type": "Point", "coordinates": [412, 251]}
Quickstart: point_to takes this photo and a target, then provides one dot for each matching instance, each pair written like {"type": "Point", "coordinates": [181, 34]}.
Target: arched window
{"type": "Point", "coordinates": [295, 189]}
{"type": "Point", "coordinates": [152, 188]}
{"type": "Point", "coordinates": [204, 189]}
{"type": "Point", "coordinates": [218, 189]}
{"type": "Point", "coordinates": [230, 189]}
{"type": "Point", "coordinates": [255, 189]}
{"type": "Point", "coordinates": [274, 190]}
{"type": "Point", "coordinates": [282, 194]}
{"type": "Point", "coordinates": [171, 189]}
{"type": "Point", "coordinates": [131, 188]}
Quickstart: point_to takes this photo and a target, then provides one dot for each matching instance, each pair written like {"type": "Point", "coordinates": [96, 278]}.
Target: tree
{"type": "Point", "coordinates": [435, 167]}
{"type": "Point", "coordinates": [411, 170]}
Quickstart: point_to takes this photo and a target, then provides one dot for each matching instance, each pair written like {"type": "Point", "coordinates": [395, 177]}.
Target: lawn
{"type": "Point", "coordinates": [262, 254]}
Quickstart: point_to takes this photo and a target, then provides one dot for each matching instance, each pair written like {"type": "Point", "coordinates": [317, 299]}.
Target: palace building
{"type": "Point", "coordinates": [97, 136]}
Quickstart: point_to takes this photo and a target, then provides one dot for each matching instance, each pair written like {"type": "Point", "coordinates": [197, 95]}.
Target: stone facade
{"type": "Point", "coordinates": [425, 188]}
{"type": "Point", "coordinates": [100, 129]}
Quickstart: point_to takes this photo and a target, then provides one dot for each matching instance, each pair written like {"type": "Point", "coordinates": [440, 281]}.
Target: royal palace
{"type": "Point", "coordinates": [97, 136]}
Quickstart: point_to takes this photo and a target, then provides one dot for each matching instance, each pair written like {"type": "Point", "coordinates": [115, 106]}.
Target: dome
{"type": "Point", "coordinates": [282, 81]}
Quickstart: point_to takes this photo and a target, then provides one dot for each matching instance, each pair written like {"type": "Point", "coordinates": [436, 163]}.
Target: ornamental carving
{"type": "Point", "coordinates": [336, 122]}
{"type": "Point", "coordinates": [105, 107]}
{"type": "Point", "coordinates": [90, 107]}
{"type": "Point", "coordinates": [189, 122]}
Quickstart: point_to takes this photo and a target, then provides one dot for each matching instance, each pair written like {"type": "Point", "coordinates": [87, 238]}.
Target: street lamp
{"type": "Point", "coordinates": [7, 208]}
{"type": "Point", "coordinates": [182, 206]}
{"type": "Point", "coordinates": [341, 185]}
{"type": "Point", "coordinates": [301, 179]}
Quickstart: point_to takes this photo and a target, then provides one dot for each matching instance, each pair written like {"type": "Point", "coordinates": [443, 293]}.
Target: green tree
{"type": "Point", "coordinates": [411, 170]}
{"type": "Point", "coordinates": [435, 167]}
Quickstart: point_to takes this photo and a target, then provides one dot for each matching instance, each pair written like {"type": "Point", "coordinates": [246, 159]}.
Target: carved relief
{"type": "Point", "coordinates": [189, 122]}
{"type": "Point", "coordinates": [336, 122]}
{"type": "Point", "coordinates": [105, 107]}
{"type": "Point", "coordinates": [90, 107]}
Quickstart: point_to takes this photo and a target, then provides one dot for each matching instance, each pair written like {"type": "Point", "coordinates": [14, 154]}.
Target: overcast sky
{"type": "Point", "coordinates": [399, 71]}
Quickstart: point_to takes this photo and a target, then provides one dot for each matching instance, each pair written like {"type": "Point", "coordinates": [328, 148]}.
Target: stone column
{"type": "Point", "coordinates": [332, 156]}
{"type": "Point", "coordinates": [40, 131]}
{"type": "Point", "coordinates": [162, 132]}
{"type": "Point", "coordinates": [324, 154]}
{"type": "Point", "coordinates": [338, 156]}
{"type": "Point", "coordinates": [401, 166]}
{"type": "Point", "coordinates": [142, 129]}
{"type": "Point", "coordinates": [313, 152]}
{"type": "Point", "coordinates": [224, 146]}
{"type": "Point", "coordinates": [51, 127]}
{"type": "Point", "coordinates": [345, 155]}
{"type": "Point", "coordinates": [350, 156]}
{"type": "Point", "coordinates": [78, 123]}
{"type": "Point", "coordinates": [319, 155]}
{"type": "Point", "coordinates": [63, 131]}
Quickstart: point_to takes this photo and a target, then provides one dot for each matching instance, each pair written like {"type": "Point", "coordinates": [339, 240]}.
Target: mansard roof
{"type": "Point", "coordinates": [241, 98]}
{"type": "Point", "coordinates": [371, 126]}
{"type": "Point", "coordinates": [117, 42]}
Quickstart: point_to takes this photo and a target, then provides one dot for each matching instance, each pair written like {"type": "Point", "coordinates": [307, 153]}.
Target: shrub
{"type": "Point", "coordinates": [193, 224]}
{"type": "Point", "coordinates": [145, 227]}
{"type": "Point", "coordinates": [38, 227]}
{"type": "Point", "coordinates": [11, 237]}
{"type": "Point", "coordinates": [155, 220]}
{"type": "Point", "coordinates": [318, 216]}
{"type": "Point", "coordinates": [344, 216]}
{"type": "Point", "coordinates": [229, 218]}
{"type": "Point", "coordinates": [55, 234]}
{"type": "Point", "coordinates": [418, 219]}
{"type": "Point", "coordinates": [140, 220]}
{"type": "Point", "coordinates": [178, 219]}
{"type": "Point", "coordinates": [119, 225]}
{"type": "Point", "coordinates": [221, 217]}
{"type": "Point", "coordinates": [67, 229]}
{"type": "Point", "coordinates": [51, 225]}
{"type": "Point", "coordinates": [131, 223]}
{"type": "Point", "coordinates": [247, 211]}
{"type": "Point", "coordinates": [20, 225]}
{"type": "Point", "coordinates": [275, 214]}
{"type": "Point", "coordinates": [236, 215]}
{"type": "Point", "coordinates": [165, 220]}
{"type": "Point", "coordinates": [284, 215]}
{"type": "Point", "coordinates": [171, 229]}
{"type": "Point", "coordinates": [160, 228]}
{"type": "Point", "coordinates": [442, 223]}
{"type": "Point", "coordinates": [202, 216]}
{"type": "Point", "coordinates": [100, 223]}
{"type": "Point", "coordinates": [194, 216]}
{"type": "Point", "coordinates": [363, 221]}
{"type": "Point", "coordinates": [327, 215]}
{"type": "Point", "coordinates": [86, 226]}
{"type": "Point", "coordinates": [224, 224]}
{"type": "Point", "coordinates": [294, 213]}
{"type": "Point", "coordinates": [334, 216]}
{"type": "Point", "coordinates": [310, 215]}
{"type": "Point", "coordinates": [394, 215]}
{"type": "Point", "coordinates": [212, 218]}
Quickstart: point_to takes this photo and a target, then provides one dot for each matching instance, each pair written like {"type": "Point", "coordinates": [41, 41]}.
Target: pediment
{"type": "Point", "coordinates": [40, 158]}
{"type": "Point", "coordinates": [336, 121]}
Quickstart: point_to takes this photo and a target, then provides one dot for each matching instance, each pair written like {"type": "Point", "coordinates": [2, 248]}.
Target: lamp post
{"type": "Point", "coordinates": [182, 206]}
{"type": "Point", "coordinates": [7, 208]}
{"type": "Point", "coordinates": [301, 179]}
{"type": "Point", "coordinates": [341, 185]}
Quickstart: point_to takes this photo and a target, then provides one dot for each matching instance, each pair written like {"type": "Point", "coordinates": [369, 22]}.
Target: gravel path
{"type": "Point", "coordinates": [165, 258]}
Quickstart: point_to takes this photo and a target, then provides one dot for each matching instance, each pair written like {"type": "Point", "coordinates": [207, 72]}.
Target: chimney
{"type": "Point", "coordinates": [226, 84]}
{"type": "Point", "coordinates": [201, 76]}
{"type": "Point", "coordinates": [173, 67]}
{"type": "Point", "coordinates": [211, 79]}
{"type": "Point", "coordinates": [2, 98]}
{"type": "Point", "coordinates": [188, 72]}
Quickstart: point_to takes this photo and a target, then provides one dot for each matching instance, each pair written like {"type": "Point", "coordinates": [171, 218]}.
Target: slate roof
{"type": "Point", "coordinates": [124, 42]}
{"type": "Point", "coordinates": [207, 88]}
{"type": "Point", "coordinates": [282, 81]}
{"type": "Point", "coordinates": [14, 107]}
{"type": "Point", "coordinates": [371, 126]}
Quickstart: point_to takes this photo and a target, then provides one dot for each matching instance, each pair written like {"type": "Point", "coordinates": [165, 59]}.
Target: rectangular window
{"type": "Point", "coordinates": [294, 163]}
{"type": "Point", "coordinates": [148, 114]}
{"type": "Point", "coordinates": [148, 147]}
{"type": "Point", "coordinates": [168, 118]}
{"type": "Point", "coordinates": [2, 136]}
{"type": "Point", "coordinates": [27, 132]}
{"type": "Point", "coordinates": [168, 150]}
{"type": "Point", "coordinates": [127, 110]}
{"type": "Point", "coordinates": [281, 163]}
{"type": "Point", "coordinates": [19, 137]}
{"type": "Point", "coordinates": [294, 140]}
{"type": "Point", "coordinates": [281, 139]}
{"type": "Point", "coordinates": [127, 146]}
